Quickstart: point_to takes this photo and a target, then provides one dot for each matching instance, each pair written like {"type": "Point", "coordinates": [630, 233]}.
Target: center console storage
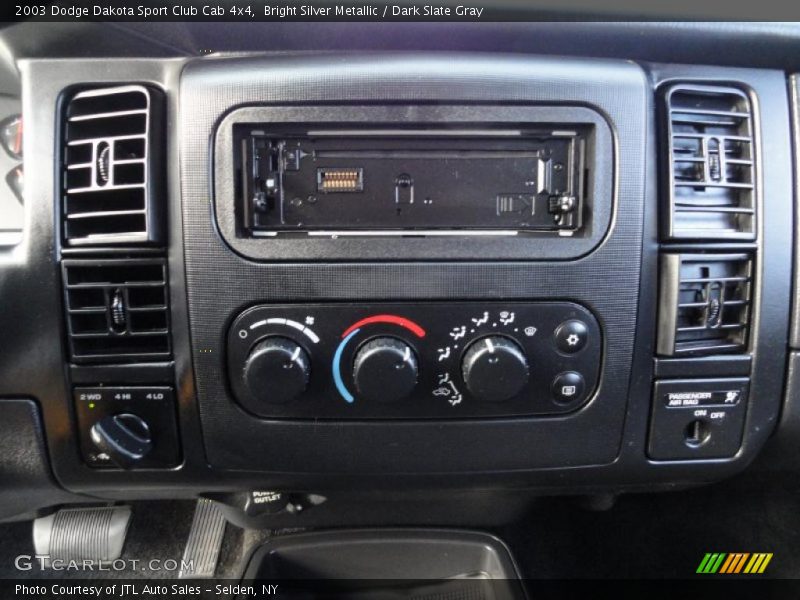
{"type": "Point", "coordinates": [391, 563]}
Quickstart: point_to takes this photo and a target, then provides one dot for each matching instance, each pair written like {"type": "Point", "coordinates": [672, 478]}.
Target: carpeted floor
{"type": "Point", "coordinates": [659, 535]}
{"type": "Point", "coordinates": [643, 536]}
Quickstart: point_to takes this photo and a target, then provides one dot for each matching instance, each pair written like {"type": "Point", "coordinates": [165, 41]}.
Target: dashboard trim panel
{"type": "Point", "coordinates": [222, 283]}
{"type": "Point", "coordinates": [622, 91]}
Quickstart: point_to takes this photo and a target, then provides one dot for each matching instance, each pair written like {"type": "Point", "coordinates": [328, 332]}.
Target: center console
{"type": "Point", "coordinates": [432, 220]}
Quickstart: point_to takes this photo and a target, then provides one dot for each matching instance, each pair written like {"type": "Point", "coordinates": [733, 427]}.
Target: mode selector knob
{"type": "Point", "coordinates": [125, 438]}
{"type": "Point", "coordinates": [277, 370]}
{"type": "Point", "coordinates": [385, 369]}
{"type": "Point", "coordinates": [495, 368]}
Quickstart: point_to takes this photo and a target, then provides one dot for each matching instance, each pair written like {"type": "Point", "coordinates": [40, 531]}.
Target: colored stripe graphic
{"type": "Point", "coordinates": [704, 563]}
{"type": "Point", "coordinates": [758, 563]}
{"type": "Point", "coordinates": [740, 562]}
{"type": "Point", "coordinates": [755, 562]}
{"type": "Point", "coordinates": [728, 562]}
{"type": "Point", "coordinates": [717, 563]}
{"type": "Point", "coordinates": [734, 560]}
{"type": "Point", "coordinates": [711, 562]}
{"type": "Point", "coordinates": [765, 562]}
{"type": "Point", "coordinates": [734, 563]}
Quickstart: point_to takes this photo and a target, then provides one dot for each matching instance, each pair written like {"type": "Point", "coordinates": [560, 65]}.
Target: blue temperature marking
{"type": "Point", "coordinates": [337, 373]}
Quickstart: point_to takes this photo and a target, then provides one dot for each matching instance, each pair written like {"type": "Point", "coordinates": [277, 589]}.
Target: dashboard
{"type": "Point", "coordinates": [322, 269]}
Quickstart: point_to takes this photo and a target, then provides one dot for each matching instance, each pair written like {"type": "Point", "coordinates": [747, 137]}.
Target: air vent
{"type": "Point", "coordinates": [117, 310]}
{"type": "Point", "coordinates": [705, 303]}
{"type": "Point", "coordinates": [712, 166]}
{"type": "Point", "coordinates": [112, 166]}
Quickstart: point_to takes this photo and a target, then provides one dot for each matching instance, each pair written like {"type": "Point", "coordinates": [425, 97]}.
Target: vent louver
{"type": "Point", "coordinates": [712, 166]}
{"type": "Point", "coordinates": [705, 303]}
{"type": "Point", "coordinates": [117, 310]}
{"type": "Point", "coordinates": [111, 166]}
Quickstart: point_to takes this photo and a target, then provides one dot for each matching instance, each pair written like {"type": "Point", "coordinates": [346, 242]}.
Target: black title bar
{"type": "Point", "coordinates": [396, 10]}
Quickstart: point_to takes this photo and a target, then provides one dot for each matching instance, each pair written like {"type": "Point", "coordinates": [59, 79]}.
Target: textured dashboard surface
{"type": "Point", "coordinates": [221, 283]}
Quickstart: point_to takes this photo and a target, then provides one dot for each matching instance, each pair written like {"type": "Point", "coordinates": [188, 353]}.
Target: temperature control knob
{"type": "Point", "coordinates": [385, 369]}
{"type": "Point", "coordinates": [495, 368]}
{"type": "Point", "coordinates": [277, 370]}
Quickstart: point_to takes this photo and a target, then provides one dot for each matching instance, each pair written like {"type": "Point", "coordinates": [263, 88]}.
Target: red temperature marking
{"type": "Point", "coordinates": [394, 319]}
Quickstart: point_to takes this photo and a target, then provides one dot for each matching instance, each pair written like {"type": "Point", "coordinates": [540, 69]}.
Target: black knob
{"type": "Point", "coordinates": [277, 370]}
{"type": "Point", "coordinates": [125, 438]}
{"type": "Point", "coordinates": [385, 370]}
{"type": "Point", "coordinates": [494, 368]}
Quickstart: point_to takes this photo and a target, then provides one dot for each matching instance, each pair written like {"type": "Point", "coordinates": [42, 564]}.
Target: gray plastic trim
{"type": "Point", "coordinates": [669, 288]}
{"type": "Point", "coordinates": [794, 105]}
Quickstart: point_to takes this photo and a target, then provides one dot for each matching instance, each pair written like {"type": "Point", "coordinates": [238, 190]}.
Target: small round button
{"type": "Point", "coordinates": [385, 370]}
{"type": "Point", "coordinates": [495, 368]}
{"type": "Point", "coordinates": [571, 336]}
{"type": "Point", "coordinates": [568, 387]}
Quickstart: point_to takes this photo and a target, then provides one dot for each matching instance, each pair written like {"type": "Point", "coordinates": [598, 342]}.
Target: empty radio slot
{"type": "Point", "coordinates": [504, 181]}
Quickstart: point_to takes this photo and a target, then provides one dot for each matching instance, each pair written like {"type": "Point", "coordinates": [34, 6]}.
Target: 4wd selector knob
{"type": "Point", "coordinates": [494, 368]}
{"type": "Point", "coordinates": [385, 369]}
{"type": "Point", "coordinates": [277, 370]}
{"type": "Point", "coordinates": [126, 438]}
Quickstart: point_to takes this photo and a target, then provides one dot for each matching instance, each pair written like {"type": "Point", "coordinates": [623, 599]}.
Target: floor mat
{"type": "Point", "coordinates": [662, 535]}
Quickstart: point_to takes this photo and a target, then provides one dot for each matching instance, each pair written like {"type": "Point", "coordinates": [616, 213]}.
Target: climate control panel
{"type": "Point", "coordinates": [414, 360]}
